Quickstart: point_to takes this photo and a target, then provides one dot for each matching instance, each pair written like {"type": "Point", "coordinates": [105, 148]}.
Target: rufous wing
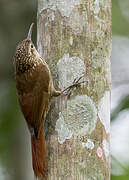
{"type": "Point", "coordinates": [34, 102]}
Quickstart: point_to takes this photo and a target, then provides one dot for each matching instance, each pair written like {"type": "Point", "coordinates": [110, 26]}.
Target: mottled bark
{"type": "Point", "coordinates": [74, 37]}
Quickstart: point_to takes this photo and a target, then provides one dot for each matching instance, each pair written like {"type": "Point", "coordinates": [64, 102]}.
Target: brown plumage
{"type": "Point", "coordinates": [35, 88]}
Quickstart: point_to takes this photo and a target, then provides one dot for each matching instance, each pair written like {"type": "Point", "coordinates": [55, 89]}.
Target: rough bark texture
{"type": "Point", "coordinates": [74, 36]}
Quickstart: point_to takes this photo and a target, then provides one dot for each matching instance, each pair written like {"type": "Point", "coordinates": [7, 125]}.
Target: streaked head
{"type": "Point", "coordinates": [26, 47]}
{"type": "Point", "coordinates": [26, 54]}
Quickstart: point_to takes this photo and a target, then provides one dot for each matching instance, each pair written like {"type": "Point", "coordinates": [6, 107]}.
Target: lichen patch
{"type": "Point", "coordinates": [62, 129]}
{"type": "Point", "coordinates": [74, 21]}
{"type": "Point", "coordinates": [95, 7]}
{"type": "Point", "coordinates": [104, 110]}
{"type": "Point", "coordinates": [71, 40]}
{"type": "Point", "coordinates": [68, 69]}
{"type": "Point", "coordinates": [105, 144]}
{"type": "Point", "coordinates": [64, 6]}
{"type": "Point", "coordinates": [89, 144]}
{"type": "Point", "coordinates": [78, 119]}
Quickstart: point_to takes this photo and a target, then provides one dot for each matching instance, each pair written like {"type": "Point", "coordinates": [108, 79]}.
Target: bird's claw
{"type": "Point", "coordinates": [75, 84]}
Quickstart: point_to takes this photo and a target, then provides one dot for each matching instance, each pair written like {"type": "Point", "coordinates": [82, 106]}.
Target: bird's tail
{"type": "Point", "coordinates": [39, 154]}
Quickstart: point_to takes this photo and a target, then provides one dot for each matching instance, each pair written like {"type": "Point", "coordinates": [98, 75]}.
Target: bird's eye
{"type": "Point", "coordinates": [32, 46]}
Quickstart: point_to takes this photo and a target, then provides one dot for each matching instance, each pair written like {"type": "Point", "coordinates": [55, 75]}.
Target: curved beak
{"type": "Point", "coordinates": [30, 31]}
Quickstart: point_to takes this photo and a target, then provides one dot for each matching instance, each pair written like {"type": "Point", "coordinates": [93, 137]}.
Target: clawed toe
{"type": "Point", "coordinates": [67, 91]}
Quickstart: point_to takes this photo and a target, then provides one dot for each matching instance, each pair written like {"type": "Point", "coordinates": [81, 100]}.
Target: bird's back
{"type": "Point", "coordinates": [33, 88]}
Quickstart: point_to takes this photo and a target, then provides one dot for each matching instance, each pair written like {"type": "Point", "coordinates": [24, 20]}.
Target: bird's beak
{"type": "Point", "coordinates": [30, 32]}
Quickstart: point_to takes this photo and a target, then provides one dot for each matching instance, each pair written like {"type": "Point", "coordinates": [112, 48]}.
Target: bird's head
{"type": "Point", "coordinates": [26, 47]}
{"type": "Point", "coordinates": [26, 54]}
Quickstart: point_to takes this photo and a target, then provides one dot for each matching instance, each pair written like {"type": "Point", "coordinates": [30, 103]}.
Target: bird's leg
{"type": "Point", "coordinates": [55, 93]}
{"type": "Point", "coordinates": [69, 89]}
{"type": "Point", "coordinates": [75, 83]}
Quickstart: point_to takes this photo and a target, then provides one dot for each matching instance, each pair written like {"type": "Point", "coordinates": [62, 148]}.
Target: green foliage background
{"type": "Point", "coordinates": [120, 26]}
{"type": "Point", "coordinates": [15, 19]}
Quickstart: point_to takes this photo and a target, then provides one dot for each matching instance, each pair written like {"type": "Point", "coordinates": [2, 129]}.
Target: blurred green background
{"type": "Point", "coordinates": [15, 18]}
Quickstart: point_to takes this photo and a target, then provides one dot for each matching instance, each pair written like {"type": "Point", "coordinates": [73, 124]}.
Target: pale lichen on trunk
{"type": "Point", "coordinates": [74, 37]}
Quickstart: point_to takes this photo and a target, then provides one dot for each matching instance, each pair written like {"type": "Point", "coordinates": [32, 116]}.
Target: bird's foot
{"type": "Point", "coordinates": [76, 83]}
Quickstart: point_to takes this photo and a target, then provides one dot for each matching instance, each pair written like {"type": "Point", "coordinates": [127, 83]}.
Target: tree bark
{"type": "Point", "coordinates": [74, 37]}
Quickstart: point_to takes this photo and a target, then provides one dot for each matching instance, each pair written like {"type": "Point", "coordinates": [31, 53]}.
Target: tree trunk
{"type": "Point", "coordinates": [74, 37]}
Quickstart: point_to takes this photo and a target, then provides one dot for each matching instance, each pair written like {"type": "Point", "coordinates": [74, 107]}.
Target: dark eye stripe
{"type": "Point", "coordinates": [32, 46]}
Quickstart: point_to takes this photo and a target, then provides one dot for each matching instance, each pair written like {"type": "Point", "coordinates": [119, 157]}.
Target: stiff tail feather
{"type": "Point", "coordinates": [39, 154]}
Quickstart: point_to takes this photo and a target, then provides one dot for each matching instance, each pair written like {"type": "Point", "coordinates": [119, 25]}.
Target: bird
{"type": "Point", "coordinates": [35, 89]}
